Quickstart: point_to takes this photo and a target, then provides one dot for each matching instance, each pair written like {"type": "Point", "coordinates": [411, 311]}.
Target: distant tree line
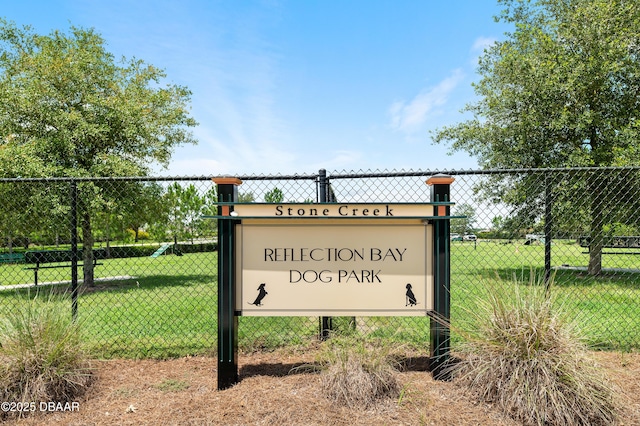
{"type": "Point", "coordinates": [139, 211]}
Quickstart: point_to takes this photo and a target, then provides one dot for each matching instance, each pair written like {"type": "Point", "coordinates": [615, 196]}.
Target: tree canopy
{"type": "Point", "coordinates": [68, 108]}
{"type": "Point", "coordinates": [465, 224]}
{"type": "Point", "coordinates": [563, 89]}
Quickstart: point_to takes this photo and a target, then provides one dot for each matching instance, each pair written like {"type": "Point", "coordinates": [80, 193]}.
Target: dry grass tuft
{"type": "Point", "coordinates": [41, 357]}
{"type": "Point", "coordinates": [522, 354]}
{"type": "Point", "coordinates": [356, 373]}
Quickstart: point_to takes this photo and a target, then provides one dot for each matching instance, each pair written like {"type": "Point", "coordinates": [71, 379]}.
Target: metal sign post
{"type": "Point", "coordinates": [440, 318]}
{"type": "Point", "coordinates": [227, 320]}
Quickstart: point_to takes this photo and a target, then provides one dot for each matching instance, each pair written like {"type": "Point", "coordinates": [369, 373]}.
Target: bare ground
{"type": "Point", "coordinates": [183, 392]}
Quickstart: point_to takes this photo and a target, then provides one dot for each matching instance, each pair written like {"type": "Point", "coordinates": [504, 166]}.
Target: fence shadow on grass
{"type": "Point", "coordinates": [149, 349]}
{"type": "Point", "coordinates": [119, 285]}
{"type": "Point", "coordinates": [150, 282]}
{"type": "Point", "coordinates": [566, 276]}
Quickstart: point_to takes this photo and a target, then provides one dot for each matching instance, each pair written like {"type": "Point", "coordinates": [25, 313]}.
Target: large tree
{"type": "Point", "coordinates": [145, 206]}
{"type": "Point", "coordinates": [563, 89]}
{"type": "Point", "coordinates": [186, 206]}
{"type": "Point", "coordinates": [463, 225]}
{"type": "Point", "coordinates": [71, 109]}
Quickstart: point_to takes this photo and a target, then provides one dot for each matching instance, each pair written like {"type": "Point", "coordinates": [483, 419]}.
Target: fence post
{"type": "Point", "coordinates": [73, 219]}
{"type": "Point", "coordinates": [227, 189]}
{"type": "Point", "coordinates": [322, 186]}
{"type": "Point", "coordinates": [439, 321]}
{"type": "Point", "coordinates": [548, 226]}
{"type": "Point", "coordinates": [326, 323]}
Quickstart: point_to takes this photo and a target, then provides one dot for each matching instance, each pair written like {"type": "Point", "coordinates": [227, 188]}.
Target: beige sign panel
{"type": "Point", "coordinates": [334, 269]}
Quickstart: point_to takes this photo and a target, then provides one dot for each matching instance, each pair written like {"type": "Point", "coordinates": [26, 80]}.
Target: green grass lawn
{"type": "Point", "coordinates": [167, 309]}
{"type": "Point", "coordinates": [607, 307]}
{"type": "Point", "coordinates": [169, 306]}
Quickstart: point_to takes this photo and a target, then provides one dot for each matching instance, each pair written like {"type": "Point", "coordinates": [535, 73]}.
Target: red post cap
{"type": "Point", "coordinates": [227, 180]}
{"type": "Point", "coordinates": [440, 179]}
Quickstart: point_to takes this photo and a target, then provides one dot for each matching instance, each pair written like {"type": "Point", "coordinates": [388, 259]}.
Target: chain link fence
{"type": "Point", "coordinates": [146, 260]}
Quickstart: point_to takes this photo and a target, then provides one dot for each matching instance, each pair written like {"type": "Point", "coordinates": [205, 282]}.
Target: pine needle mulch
{"type": "Point", "coordinates": [184, 392]}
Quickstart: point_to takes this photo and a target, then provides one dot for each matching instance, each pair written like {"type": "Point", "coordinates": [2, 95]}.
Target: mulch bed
{"type": "Point", "coordinates": [184, 392]}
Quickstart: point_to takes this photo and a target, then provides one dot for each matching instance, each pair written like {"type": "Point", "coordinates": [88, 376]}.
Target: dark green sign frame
{"type": "Point", "coordinates": [227, 188]}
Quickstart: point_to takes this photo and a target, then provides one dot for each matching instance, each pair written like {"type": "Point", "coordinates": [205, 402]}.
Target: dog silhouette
{"type": "Point", "coordinates": [411, 298]}
{"type": "Point", "coordinates": [261, 295]}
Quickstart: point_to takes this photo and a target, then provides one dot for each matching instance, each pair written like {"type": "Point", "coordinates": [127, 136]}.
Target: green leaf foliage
{"type": "Point", "coordinates": [560, 90]}
{"type": "Point", "coordinates": [68, 108]}
{"type": "Point", "coordinates": [274, 196]}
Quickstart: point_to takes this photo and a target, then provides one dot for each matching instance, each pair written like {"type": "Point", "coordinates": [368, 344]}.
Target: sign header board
{"type": "Point", "coordinates": [332, 210]}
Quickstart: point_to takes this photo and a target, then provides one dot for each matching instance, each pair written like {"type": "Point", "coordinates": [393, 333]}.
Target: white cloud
{"type": "Point", "coordinates": [482, 43]}
{"type": "Point", "coordinates": [341, 159]}
{"type": "Point", "coordinates": [478, 48]}
{"type": "Point", "coordinates": [195, 167]}
{"type": "Point", "coordinates": [408, 117]}
{"type": "Point", "coordinates": [241, 128]}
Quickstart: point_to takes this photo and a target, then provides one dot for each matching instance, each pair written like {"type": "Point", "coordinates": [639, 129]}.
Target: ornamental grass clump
{"type": "Point", "coordinates": [357, 373]}
{"type": "Point", "coordinates": [521, 353]}
{"type": "Point", "coordinates": [41, 356]}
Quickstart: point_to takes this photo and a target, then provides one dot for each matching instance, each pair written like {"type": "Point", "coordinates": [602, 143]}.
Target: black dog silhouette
{"type": "Point", "coordinates": [261, 294]}
{"type": "Point", "coordinates": [411, 298]}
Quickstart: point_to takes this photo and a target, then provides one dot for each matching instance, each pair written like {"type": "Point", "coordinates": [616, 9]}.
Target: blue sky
{"type": "Point", "coordinates": [292, 86]}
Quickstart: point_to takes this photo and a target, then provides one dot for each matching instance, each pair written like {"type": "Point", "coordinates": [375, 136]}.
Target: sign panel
{"type": "Point", "coordinates": [331, 268]}
{"type": "Point", "coordinates": [333, 210]}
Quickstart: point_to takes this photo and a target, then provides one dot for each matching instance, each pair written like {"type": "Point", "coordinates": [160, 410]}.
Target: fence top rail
{"type": "Point", "coordinates": [153, 178]}
{"type": "Point", "coordinates": [336, 175]}
{"type": "Point", "coordinates": [427, 173]}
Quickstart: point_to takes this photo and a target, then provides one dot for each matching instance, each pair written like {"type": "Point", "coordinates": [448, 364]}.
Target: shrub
{"type": "Point", "coordinates": [118, 252]}
{"type": "Point", "coordinates": [521, 353]}
{"type": "Point", "coordinates": [356, 373]}
{"type": "Point", "coordinates": [148, 250]}
{"type": "Point", "coordinates": [142, 235]}
{"type": "Point", "coordinates": [41, 356]}
{"type": "Point", "coordinates": [198, 247]}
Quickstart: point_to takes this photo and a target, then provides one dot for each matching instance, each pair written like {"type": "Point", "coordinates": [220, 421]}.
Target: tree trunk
{"type": "Point", "coordinates": [107, 231]}
{"type": "Point", "coordinates": [596, 188]}
{"type": "Point", "coordinates": [87, 248]}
